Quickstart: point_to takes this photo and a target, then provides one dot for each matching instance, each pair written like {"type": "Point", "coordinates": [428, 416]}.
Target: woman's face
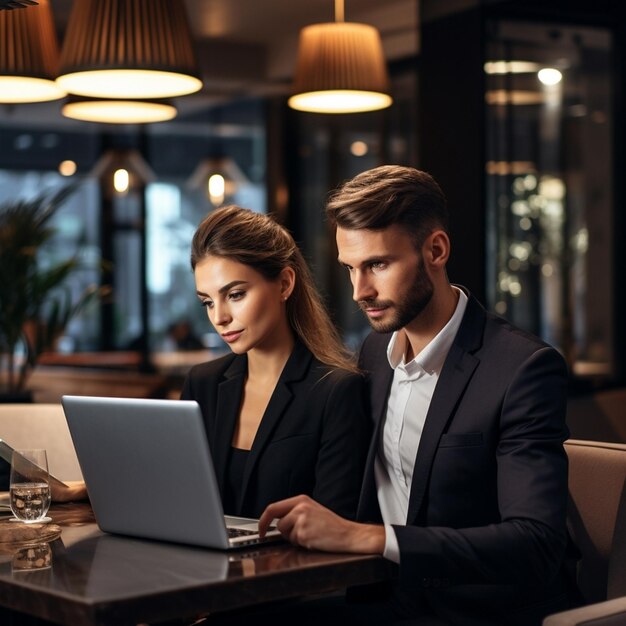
{"type": "Point", "coordinates": [245, 308]}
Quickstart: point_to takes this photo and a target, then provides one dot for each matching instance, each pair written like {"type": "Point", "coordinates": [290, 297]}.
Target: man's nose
{"type": "Point", "coordinates": [362, 288]}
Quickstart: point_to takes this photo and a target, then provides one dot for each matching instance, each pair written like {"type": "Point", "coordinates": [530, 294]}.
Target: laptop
{"type": "Point", "coordinates": [149, 472]}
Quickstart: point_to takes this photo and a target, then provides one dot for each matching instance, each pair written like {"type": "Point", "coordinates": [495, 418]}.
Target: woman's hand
{"type": "Point", "coordinates": [75, 490]}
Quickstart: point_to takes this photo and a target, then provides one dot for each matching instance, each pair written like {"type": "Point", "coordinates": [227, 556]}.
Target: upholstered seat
{"type": "Point", "coordinates": [597, 522]}
{"type": "Point", "coordinates": [41, 426]}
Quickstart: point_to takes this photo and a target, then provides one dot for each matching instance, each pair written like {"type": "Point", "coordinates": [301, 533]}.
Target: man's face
{"type": "Point", "coordinates": [390, 283]}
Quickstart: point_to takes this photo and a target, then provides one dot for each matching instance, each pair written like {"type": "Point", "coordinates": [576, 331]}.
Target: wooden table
{"type": "Point", "coordinates": [101, 579]}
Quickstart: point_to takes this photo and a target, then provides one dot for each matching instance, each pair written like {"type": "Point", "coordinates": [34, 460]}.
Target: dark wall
{"type": "Point", "coordinates": [451, 135]}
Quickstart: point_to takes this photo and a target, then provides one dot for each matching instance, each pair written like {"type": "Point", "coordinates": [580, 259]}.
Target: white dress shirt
{"type": "Point", "coordinates": [409, 399]}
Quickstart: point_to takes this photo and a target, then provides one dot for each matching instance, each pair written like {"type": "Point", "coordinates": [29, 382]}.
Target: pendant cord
{"type": "Point", "coordinates": [339, 11]}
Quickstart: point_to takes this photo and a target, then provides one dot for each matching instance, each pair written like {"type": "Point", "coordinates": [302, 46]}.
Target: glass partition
{"type": "Point", "coordinates": [549, 124]}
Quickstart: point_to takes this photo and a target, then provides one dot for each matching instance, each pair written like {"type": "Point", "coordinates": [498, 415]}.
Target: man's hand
{"type": "Point", "coordinates": [306, 523]}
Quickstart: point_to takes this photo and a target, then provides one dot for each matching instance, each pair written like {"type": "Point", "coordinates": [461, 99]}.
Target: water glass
{"type": "Point", "coordinates": [29, 485]}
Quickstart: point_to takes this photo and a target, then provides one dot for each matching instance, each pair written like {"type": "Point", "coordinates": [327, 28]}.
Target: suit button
{"type": "Point", "coordinates": [425, 582]}
{"type": "Point", "coordinates": [436, 583]}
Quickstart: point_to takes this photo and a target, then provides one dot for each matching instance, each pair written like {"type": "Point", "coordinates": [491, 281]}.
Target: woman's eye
{"type": "Point", "coordinates": [236, 295]}
{"type": "Point", "coordinates": [207, 304]}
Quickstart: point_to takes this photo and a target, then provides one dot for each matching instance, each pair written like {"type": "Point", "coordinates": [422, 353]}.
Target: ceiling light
{"type": "Point", "coordinates": [111, 111]}
{"type": "Point", "coordinates": [549, 76]}
{"type": "Point", "coordinates": [121, 169]}
{"type": "Point", "coordinates": [121, 181]}
{"type": "Point", "coordinates": [120, 49]}
{"type": "Point", "coordinates": [67, 168]}
{"type": "Point", "coordinates": [221, 177]}
{"type": "Point", "coordinates": [16, 4]}
{"type": "Point", "coordinates": [29, 55]}
{"type": "Point", "coordinates": [511, 67]}
{"type": "Point", "coordinates": [514, 96]}
{"type": "Point", "coordinates": [340, 68]}
{"type": "Point", "coordinates": [359, 148]}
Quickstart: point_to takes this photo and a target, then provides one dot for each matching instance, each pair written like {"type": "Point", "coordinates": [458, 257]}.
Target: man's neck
{"type": "Point", "coordinates": [425, 327]}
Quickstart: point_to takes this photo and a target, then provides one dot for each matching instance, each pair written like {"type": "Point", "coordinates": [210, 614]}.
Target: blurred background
{"type": "Point", "coordinates": [515, 107]}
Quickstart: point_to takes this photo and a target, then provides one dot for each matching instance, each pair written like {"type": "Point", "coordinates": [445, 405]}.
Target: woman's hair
{"type": "Point", "coordinates": [388, 195]}
{"type": "Point", "coordinates": [259, 242]}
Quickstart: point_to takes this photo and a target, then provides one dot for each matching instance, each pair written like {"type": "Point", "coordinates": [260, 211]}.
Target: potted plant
{"type": "Point", "coordinates": [35, 302]}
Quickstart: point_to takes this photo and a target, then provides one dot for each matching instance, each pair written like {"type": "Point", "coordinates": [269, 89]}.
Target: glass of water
{"type": "Point", "coordinates": [29, 486]}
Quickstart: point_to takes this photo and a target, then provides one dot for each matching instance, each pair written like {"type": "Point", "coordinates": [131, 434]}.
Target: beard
{"type": "Point", "coordinates": [410, 305]}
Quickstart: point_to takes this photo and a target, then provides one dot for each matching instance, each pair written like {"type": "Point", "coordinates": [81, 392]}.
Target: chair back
{"type": "Point", "coordinates": [597, 516]}
{"type": "Point", "coordinates": [599, 416]}
{"type": "Point", "coordinates": [31, 425]}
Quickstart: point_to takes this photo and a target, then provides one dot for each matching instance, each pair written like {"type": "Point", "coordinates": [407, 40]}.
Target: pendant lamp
{"type": "Point", "coordinates": [219, 176]}
{"type": "Point", "coordinates": [127, 49]}
{"type": "Point", "coordinates": [16, 4]}
{"type": "Point", "coordinates": [121, 170]}
{"type": "Point", "coordinates": [112, 111]}
{"type": "Point", "coordinates": [340, 68]}
{"type": "Point", "coordinates": [29, 54]}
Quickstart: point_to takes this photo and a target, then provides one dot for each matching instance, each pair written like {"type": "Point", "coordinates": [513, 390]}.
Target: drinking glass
{"type": "Point", "coordinates": [29, 486]}
{"type": "Point", "coordinates": [32, 557]}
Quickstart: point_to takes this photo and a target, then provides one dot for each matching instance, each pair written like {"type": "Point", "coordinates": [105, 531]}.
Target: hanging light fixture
{"type": "Point", "coordinates": [340, 68]}
{"type": "Point", "coordinates": [122, 169]}
{"type": "Point", "coordinates": [220, 177]}
{"type": "Point", "coordinates": [112, 111]}
{"type": "Point", "coordinates": [16, 4]}
{"type": "Point", "coordinates": [29, 54]}
{"type": "Point", "coordinates": [125, 49]}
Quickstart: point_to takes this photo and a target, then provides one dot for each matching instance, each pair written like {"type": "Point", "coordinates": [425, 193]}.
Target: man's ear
{"type": "Point", "coordinates": [287, 280]}
{"type": "Point", "coordinates": [436, 249]}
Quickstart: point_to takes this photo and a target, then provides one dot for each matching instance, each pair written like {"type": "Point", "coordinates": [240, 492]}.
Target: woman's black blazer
{"type": "Point", "coordinates": [313, 437]}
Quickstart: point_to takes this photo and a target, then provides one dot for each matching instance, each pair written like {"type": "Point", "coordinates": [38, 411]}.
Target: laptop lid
{"type": "Point", "coordinates": [148, 469]}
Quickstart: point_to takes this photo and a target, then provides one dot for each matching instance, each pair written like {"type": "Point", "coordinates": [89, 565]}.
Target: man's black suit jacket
{"type": "Point", "coordinates": [313, 437]}
{"type": "Point", "coordinates": [486, 529]}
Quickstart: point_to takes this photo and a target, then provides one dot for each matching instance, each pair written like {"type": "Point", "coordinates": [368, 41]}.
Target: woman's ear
{"type": "Point", "coordinates": [287, 280]}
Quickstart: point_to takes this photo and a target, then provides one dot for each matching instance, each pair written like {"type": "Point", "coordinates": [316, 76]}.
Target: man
{"type": "Point", "coordinates": [466, 480]}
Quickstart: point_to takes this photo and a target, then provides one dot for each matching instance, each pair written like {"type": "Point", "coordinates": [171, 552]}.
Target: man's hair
{"type": "Point", "coordinates": [387, 195]}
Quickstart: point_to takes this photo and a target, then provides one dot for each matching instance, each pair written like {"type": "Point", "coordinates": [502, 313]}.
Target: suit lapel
{"type": "Point", "coordinates": [229, 395]}
{"type": "Point", "coordinates": [455, 375]}
{"type": "Point", "coordinates": [295, 369]}
{"type": "Point", "coordinates": [368, 509]}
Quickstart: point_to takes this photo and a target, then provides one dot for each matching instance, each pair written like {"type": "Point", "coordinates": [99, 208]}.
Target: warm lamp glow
{"type": "Point", "coordinates": [549, 76]}
{"type": "Point", "coordinates": [19, 89]}
{"type": "Point", "coordinates": [67, 168]}
{"type": "Point", "coordinates": [29, 55]}
{"type": "Point", "coordinates": [359, 148]}
{"type": "Point", "coordinates": [121, 49]}
{"type": "Point", "coordinates": [119, 111]}
{"type": "Point", "coordinates": [511, 67]}
{"type": "Point", "coordinates": [121, 180]}
{"type": "Point", "coordinates": [340, 69]}
{"type": "Point", "coordinates": [339, 101]}
{"type": "Point", "coordinates": [514, 96]}
{"type": "Point", "coordinates": [217, 189]}
{"type": "Point", "coordinates": [129, 83]}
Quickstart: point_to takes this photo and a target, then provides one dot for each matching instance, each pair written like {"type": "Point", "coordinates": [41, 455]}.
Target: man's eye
{"type": "Point", "coordinates": [378, 265]}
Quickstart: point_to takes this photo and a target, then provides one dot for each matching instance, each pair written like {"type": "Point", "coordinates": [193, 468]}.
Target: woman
{"type": "Point", "coordinates": [286, 412]}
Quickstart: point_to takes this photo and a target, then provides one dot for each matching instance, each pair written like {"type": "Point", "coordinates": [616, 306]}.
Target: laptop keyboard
{"type": "Point", "coordinates": [240, 532]}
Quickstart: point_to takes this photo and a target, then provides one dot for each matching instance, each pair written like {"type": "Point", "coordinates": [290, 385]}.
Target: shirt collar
{"type": "Point", "coordinates": [432, 357]}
